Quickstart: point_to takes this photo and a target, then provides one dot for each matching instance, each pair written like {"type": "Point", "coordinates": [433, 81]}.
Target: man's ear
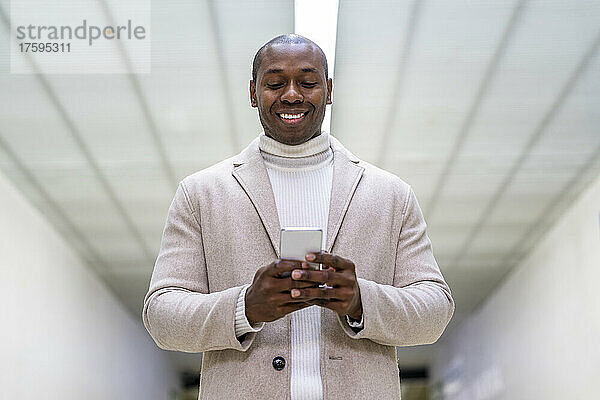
{"type": "Point", "coordinates": [253, 101]}
{"type": "Point", "coordinates": [329, 89]}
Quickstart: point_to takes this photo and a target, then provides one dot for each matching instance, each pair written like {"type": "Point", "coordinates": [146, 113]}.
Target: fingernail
{"type": "Point", "coordinates": [310, 257]}
{"type": "Point", "coordinates": [296, 274]}
{"type": "Point", "coordinates": [295, 293]}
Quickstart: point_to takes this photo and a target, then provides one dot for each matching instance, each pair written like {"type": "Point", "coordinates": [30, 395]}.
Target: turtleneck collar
{"type": "Point", "coordinates": [311, 147]}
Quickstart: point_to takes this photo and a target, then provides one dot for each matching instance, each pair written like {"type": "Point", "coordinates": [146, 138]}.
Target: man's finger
{"type": "Point", "coordinates": [321, 293]}
{"type": "Point", "coordinates": [284, 285]}
{"type": "Point", "coordinates": [329, 277]}
{"type": "Point", "coordinates": [296, 284]}
{"type": "Point", "coordinates": [330, 260]}
{"type": "Point", "coordinates": [283, 299]}
{"type": "Point", "coordinates": [279, 267]}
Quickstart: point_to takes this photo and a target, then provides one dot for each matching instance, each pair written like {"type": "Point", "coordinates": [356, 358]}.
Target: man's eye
{"type": "Point", "coordinates": [309, 84]}
{"type": "Point", "coordinates": [274, 85]}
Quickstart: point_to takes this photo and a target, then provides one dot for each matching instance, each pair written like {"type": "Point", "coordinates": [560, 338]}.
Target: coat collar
{"type": "Point", "coordinates": [346, 175]}
{"type": "Point", "coordinates": [250, 172]}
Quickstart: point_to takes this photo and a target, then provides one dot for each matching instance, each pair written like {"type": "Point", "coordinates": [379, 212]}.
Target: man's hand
{"type": "Point", "coordinates": [268, 298]}
{"type": "Point", "coordinates": [341, 294]}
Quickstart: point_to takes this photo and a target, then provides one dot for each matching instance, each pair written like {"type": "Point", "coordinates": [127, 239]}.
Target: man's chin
{"type": "Point", "coordinates": [292, 139]}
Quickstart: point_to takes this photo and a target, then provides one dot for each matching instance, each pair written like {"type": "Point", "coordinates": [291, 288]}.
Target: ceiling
{"type": "Point", "coordinates": [489, 109]}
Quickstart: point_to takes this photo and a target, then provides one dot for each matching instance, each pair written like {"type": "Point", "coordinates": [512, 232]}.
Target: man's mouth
{"type": "Point", "coordinates": [289, 118]}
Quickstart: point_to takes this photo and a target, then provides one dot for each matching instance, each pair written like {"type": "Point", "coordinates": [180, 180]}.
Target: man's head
{"type": "Point", "coordinates": [290, 87]}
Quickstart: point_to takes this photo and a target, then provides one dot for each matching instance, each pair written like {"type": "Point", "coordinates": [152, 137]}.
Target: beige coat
{"type": "Point", "coordinates": [223, 225]}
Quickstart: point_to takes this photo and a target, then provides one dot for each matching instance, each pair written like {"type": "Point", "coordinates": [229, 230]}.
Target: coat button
{"type": "Point", "coordinates": [279, 363]}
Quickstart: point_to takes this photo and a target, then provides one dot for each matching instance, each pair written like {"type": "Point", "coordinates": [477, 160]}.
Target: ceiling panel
{"type": "Point", "coordinates": [442, 79]}
{"type": "Point", "coordinates": [184, 91]}
{"type": "Point", "coordinates": [557, 161]}
{"type": "Point", "coordinates": [131, 287]}
{"type": "Point", "coordinates": [494, 241]}
{"type": "Point", "coordinates": [523, 93]}
{"type": "Point", "coordinates": [44, 147]}
{"type": "Point", "coordinates": [243, 28]}
{"type": "Point", "coordinates": [445, 239]}
{"type": "Point", "coordinates": [368, 57]}
{"type": "Point", "coordinates": [31, 124]}
{"type": "Point", "coordinates": [93, 104]}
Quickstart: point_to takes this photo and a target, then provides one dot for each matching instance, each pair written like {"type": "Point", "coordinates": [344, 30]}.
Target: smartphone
{"type": "Point", "coordinates": [295, 243]}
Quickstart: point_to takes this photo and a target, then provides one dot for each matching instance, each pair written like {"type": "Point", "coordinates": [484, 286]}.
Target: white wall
{"type": "Point", "coordinates": [63, 335]}
{"type": "Point", "coordinates": [538, 335]}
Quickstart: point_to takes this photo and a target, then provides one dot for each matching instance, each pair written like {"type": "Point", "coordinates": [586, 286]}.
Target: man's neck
{"type": "Point", "coordinates": [317, 144]}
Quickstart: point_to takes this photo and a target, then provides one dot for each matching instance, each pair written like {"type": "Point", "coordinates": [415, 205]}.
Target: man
{"type": "Point", "coordinates": [267, 327]}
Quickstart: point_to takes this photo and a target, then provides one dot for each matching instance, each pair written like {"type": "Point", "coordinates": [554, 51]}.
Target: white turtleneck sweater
{"type": "Point", "coordinates": [301, 178]}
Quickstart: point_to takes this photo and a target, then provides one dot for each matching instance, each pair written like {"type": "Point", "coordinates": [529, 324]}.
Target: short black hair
{"type": "Point", "coordinates": [289, 38]}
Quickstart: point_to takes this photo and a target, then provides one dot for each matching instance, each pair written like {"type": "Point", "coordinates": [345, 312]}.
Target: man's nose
{"type": "Point", "coordinates": [292, 95]}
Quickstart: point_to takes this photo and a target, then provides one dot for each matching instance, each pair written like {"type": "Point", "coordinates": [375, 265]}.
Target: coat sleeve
{"type": "Point", "coordinates": [416, 308]}
{"type": "Point", "coordinates": [179, 311]}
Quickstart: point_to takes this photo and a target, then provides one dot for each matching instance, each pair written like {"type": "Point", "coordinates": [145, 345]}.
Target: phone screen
{"type": "Point", "coordinates": [295, 243]}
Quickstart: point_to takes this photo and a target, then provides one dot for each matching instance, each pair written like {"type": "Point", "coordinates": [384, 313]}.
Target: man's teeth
{"type": "Point", "coordinates": [291, 116]}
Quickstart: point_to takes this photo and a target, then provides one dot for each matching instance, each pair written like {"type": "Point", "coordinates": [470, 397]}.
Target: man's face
{"type": "Point", "coordinates": [291, 92]}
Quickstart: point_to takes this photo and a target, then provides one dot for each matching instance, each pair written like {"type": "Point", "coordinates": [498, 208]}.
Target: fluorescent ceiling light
{"type": "Point", "coordinates": [317, 20]}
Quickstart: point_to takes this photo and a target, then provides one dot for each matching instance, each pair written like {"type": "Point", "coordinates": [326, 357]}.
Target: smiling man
{"type": "Point", "coordinates": [290, 115]}
{"type": "Point", "coordinates": [268, 328]}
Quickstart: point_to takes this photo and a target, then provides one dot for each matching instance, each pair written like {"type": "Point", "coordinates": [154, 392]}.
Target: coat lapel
{"type": "Point", "coordinates": [250, 172]}
{"type": "Point", "coordinates": [346, 175]}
